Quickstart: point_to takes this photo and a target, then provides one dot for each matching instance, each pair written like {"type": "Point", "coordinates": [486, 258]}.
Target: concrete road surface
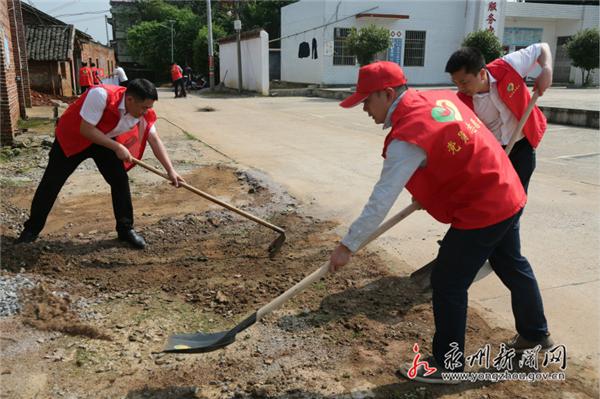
{"type": "Point", "coordinates": [330, 158]}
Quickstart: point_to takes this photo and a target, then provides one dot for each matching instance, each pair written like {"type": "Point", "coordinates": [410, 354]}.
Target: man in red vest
{"type": "Point", "coordinates": [95, 74]}
{"type": "Point", "coordinates": [85, 77]}
{"type": "Point", "coordinates": [498, 95]}
{"type": "Point", "coordinates": [177, 79]}
{"type": "Point", "coordinates": [432, 148]}
{"type": "Point", "coordinates": [111, 125]}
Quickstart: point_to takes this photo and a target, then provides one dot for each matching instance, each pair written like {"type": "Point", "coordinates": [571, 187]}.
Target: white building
{"type": "Point", "coordinates": [424, 34]}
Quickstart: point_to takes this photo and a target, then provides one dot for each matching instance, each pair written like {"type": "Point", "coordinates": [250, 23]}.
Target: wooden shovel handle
{"type": "Point", "coordinates": [517, 132]}
{"type": "Point", "coordinates": [320, 272]}
{"type": "Point", "coordinates": [211, 198]}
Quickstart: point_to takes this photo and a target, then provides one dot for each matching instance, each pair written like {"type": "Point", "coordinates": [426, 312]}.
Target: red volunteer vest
{"type": "Point", "coordinates": [515, 94]}
{"type": "Point", "coordinates": [95, 76]}
{"type": "Point", "coordinates": [72, 141]}
{"type": "Point", "coordinates": [85, 77]}
{"type": "Point", "coordinates": [175, 73]}
{"type": "Point", "coordinates": [468, 181]}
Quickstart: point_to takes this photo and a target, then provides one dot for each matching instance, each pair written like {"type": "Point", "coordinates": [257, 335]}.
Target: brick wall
{"type": "Point", "coordinates": [9, 98]}
{"type": "Point", "coordinates": [104, 55]}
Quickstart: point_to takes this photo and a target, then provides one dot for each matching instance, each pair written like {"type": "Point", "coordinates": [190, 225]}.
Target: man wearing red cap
{"type": "Point", "coordinates": [455, 169]}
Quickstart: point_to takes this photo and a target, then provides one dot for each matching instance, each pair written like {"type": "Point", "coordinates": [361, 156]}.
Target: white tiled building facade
{"type": "Point", "coordinates": [424, 34]}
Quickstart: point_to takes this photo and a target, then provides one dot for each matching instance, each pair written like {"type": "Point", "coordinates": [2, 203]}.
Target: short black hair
{"type": "Point", "coordinates": [141, 89]}
{"type": "Point", "coordinates": [84, 64]}
{"type": "Point", "coordinates": [469, 58]}
{"type": "Point", "coordinates": [92, 64]}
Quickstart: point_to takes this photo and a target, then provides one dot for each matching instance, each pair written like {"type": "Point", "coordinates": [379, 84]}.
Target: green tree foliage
{"type": "Point", "coordinates": [150, 39]}
{"type": "Point", "coordinates": [263, 14]}
{"type": "Point", "coordinates": [367, 42]}
{"type": "Point", "coordinates": [487, 42]}
{"type": "Point", "coordinates": [583, 51]}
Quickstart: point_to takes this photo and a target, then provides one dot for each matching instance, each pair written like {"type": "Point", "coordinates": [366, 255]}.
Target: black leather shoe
{"type": "Point", "coordinates": [132, 237]}
{"type": "Point", "coordinates": [26, 236]}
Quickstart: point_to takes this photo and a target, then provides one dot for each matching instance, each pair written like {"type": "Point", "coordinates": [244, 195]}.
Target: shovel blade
{"type": "Point", "coordinates": [276, 245]}
{"type": "Point", "coordinates": [206, 342]}
{"type": "Point", "coordinates": [199, 342]}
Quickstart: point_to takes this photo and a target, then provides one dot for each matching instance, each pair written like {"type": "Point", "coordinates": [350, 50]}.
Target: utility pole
{"type": "Point", "coordinates": [237, 25]}
{"type": "Point", "coordinates": [106, 26]}
{"type": "Point", "coordinates": [211, 62]}
{"type": "Point", "coordinates": [172, 22]}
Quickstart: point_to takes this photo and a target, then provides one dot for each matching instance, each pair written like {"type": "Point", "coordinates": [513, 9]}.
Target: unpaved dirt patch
{"type": "Point", "coordinates": [48, 311]}
{"type": "Point", "coordinates": [206, 269]}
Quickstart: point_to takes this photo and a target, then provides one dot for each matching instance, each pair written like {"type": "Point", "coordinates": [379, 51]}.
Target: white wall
{"type": "Point", "coordinates": [445, 21]}
{"type": "Point", "coordinates": [255, 63]}
{"type": "Point", "coordinates": [556, 20]}
{"type": "Point", "coordinates": [445, 28]}
{"type": "Point", "coordinates": [295, 18]}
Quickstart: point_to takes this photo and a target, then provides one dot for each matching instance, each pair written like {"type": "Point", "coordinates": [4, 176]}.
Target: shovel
{"type": "Point", "coordinates": [201, 342]}
{"type": "Point", "coordinates": [422, 277]}
{"type": "Point", "coordinates": [275, 245]}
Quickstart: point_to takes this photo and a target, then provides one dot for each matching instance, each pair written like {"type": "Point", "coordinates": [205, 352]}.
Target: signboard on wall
{"type": "Point", "coordinates": [522, 36]}
{"type": "Point", "coordinates": [395, 50]}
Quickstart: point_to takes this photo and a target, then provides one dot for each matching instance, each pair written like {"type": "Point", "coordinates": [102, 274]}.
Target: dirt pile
{"type": "Point", "coordinates": [48, 311]}
{"type": "Point", "coordinates": [39, 98]}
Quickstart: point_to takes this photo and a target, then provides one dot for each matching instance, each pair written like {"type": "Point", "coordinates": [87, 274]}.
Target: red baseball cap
{"type": "Point", "coordinates": [374, 77]}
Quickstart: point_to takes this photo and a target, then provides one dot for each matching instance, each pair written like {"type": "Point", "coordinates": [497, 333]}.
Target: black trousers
{"type": "Point", "coordinates": [124, 83]}
{"type": "Point", "coordinates": [179, 85]}
{"type": "Point", "coordinates": [522, 157]}
{"type": "Point", "coordinates": [461, 255]}
{"type": "Point", "coordinates": [60, 167]}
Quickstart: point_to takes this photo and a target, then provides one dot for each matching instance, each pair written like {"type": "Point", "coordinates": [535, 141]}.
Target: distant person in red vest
{"type": "Point", "coordinates": [85, 77]}
{"type": "Point", "coordinates": [498, 95]}
{"type": "Point", "coordinates": [178, 81]}
{"type": "Point", "coordinates": [454, 168]}
{"type": "Point", "coordinates": [95, 74]}
{"type": "Point", "coordinates": [110, 124]}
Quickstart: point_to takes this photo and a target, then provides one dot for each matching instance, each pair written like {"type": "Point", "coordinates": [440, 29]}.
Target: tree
{"type": "Point", "coordinates": [367, 42]}
{"type": "Point", "coordinates": [583, 51]}
{"type": "Point", "coordinates": [486, 42]}
{"type": "Point", "coordinates": [150, 39]}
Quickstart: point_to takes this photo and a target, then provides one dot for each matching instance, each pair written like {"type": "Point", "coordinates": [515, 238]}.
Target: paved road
{"type": "Point", "coordinates": [329, 158]}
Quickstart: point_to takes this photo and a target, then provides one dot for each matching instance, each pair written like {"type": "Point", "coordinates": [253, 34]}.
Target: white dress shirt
{"type": "Point", "coordinates": [402, 160]}
{"type": "Point", "coordinates": [93, 108]}
{"type": "Point", "coordinates": [490, 108]}
{"type": "Point", "coordinates": [120, 73]}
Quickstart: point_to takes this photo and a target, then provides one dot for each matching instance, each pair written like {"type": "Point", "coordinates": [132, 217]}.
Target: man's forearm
{"type": "Point", "coordinates": [545, 58]}
{"type": "Point", "coordinates": [160, 152]}
{"type": "Point", "coordinates": [92, 133]}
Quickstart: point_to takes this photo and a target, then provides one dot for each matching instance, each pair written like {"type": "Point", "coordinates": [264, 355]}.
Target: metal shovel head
{"type": "Point", "coordinates": [199, 342]}
{"type": "Point", "coordinates": [206, 342]}
{"type": "Point", "coordinates": [276, 245]}
{"type": "Point", "coordinates": [422, 277]}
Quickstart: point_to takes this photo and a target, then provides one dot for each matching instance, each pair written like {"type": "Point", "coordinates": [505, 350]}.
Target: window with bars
{"type": "Point", "coordinates": [341, 55]}
{"type": "Point", "coordinates": [414, 48]}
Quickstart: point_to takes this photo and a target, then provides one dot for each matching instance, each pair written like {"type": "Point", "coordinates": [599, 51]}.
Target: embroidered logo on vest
{"type": "Point", "coordinates": [445, 111]}
{"type": "Point", "coordinates": [511, 89]}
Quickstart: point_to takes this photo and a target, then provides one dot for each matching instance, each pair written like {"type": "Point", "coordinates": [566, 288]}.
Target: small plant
{"type": "Point", "coordinates": [487, 42]}
{"type": "Point", "coordinates": [367, 42]}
